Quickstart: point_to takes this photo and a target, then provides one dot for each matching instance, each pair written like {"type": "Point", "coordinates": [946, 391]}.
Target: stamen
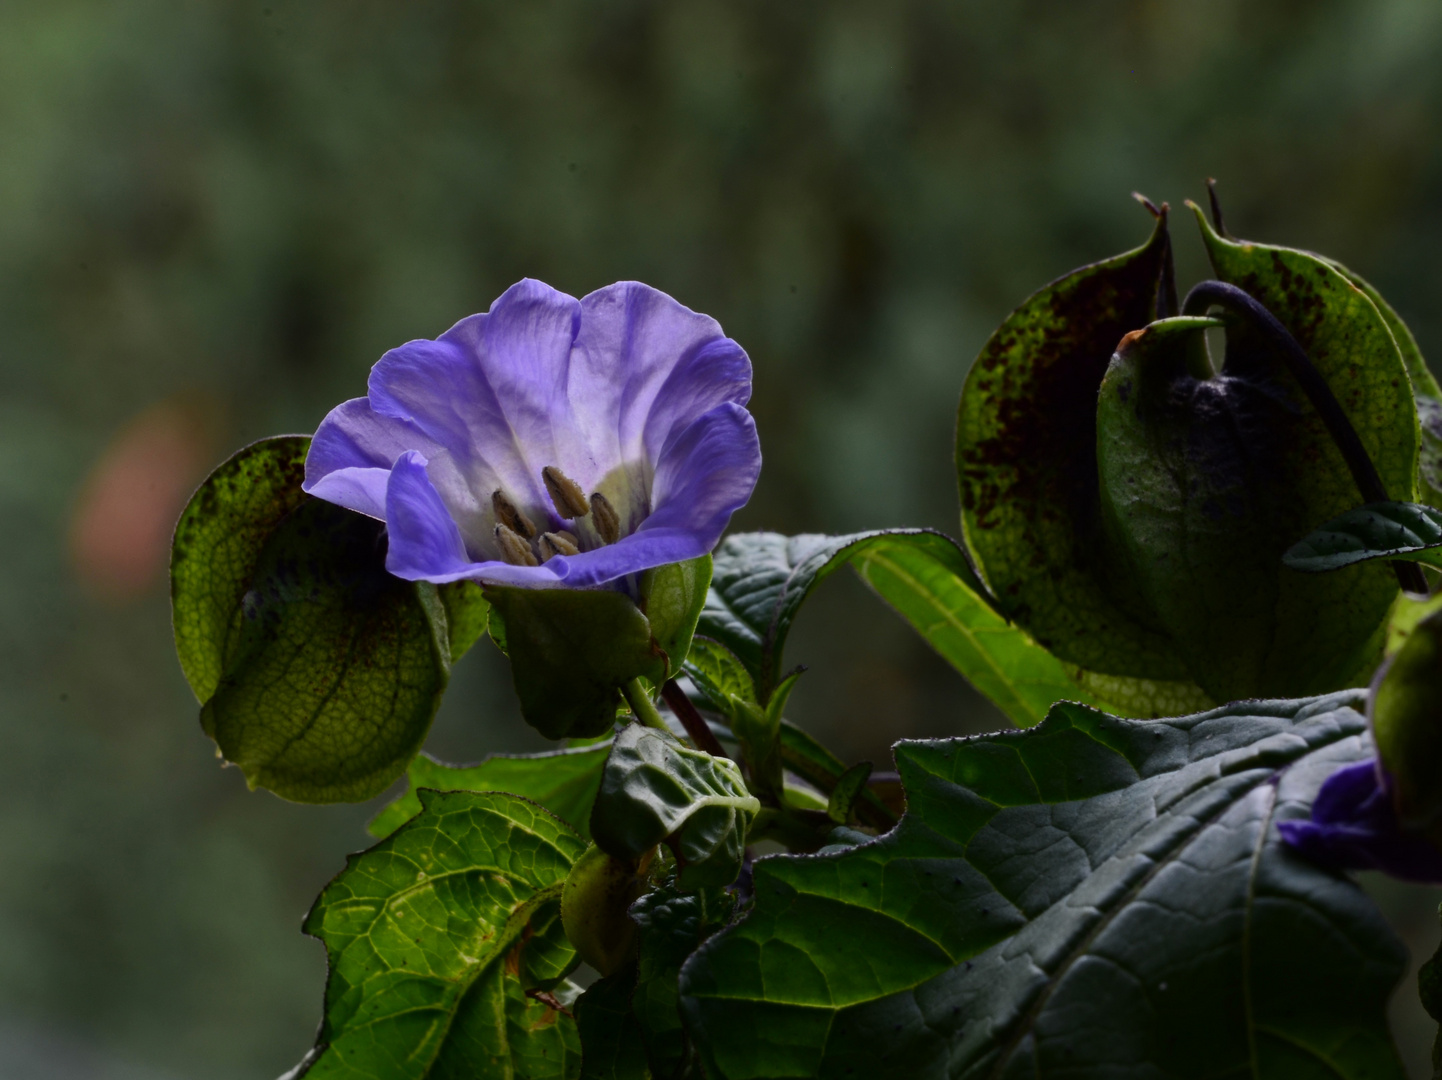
{"type": "Point", "coordinates": [570, 500]}
{"type": "Point", "coordinates": [607, 521]}
{"type": "Point", "coordinates": [557, 543]}
{"type": "Point", "coordinates": [514, 549]}
{"type": "Point", "coordinates": [510, 517]}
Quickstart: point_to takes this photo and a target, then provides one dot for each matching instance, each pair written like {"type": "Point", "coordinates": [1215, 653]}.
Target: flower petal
{"type": "Point", "coordinates": [644, 367]}
{"type": "Point", "coordinates": [704, 476]}
{"type": "Point", "coordinates": [491, 391]}
{"type": "Point", "coordinates": [1354, 827]}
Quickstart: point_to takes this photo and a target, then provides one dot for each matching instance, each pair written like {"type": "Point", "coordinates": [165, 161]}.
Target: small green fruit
{"type": "Point", "coordinates": [594, 901]}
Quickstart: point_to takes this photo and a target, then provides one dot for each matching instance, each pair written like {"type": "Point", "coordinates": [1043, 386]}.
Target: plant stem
{"type": "Point", "coordinates": [1208, 294]}
{"type": "Point", "coordinates": [640, 702]}
{"type": "Point", "coordinates": [694, 723]}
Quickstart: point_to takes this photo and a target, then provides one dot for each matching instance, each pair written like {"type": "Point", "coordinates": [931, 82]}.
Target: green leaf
{"type": "Point", "coordinates": [1093, 897]}
{"type": "Point", "coordinates": [722, 679]}
{"type": "Point", "coordinates": [570, 650]}
{"type": "Point", "coordinates": [1406, 704]}
{"type": "Point", "coordinates": [633, 1016]}
{"type": "Point", "coordinates": [1424, 388]}
{"type": "Point", "coordinates": [817, 765]}
{"type": "Point", "coordinates": [336, 668]}
{"type": "Point", "coordinates": [1145, 698]}
{"type": "Point", "coordinates": [1390, 530]}
{"type": "Point", "coordinates": [1326, 629]}
{"type": "Point", "coordinates": [217, 546]}
{"type": "Point", "coordinates": [655, 789]}
{"type": "Point", "coordinates": [434, 935]}
{"type": "Point", "coordinates": [926, 577]}
{"type": "Point", "coordinates": [565, 782]}
{"type": "Point", "coordinates": [762, 579]}
{"type": "Point", "coordinates": [847, 792]}
{"type": "Point", "coordinates": [672, 597]}
{"type": "Point", "coordinates": [467, 614]}
{"type": "Point", "coordinates": [1026, 463]}
{"type": "Point", "coordinates": [612, 1046]}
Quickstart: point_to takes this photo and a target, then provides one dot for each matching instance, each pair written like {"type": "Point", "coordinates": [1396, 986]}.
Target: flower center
{"type": "Point", "coordinates": [517, 539]}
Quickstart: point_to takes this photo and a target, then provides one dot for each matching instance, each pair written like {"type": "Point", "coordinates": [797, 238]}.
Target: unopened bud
{"type": "Point", "coordinates": [557, 543]}
{"type": "Point", "coordinates": [510, 517]}
{"type": "Point", "coordinates": [607, 521]}
{"type": "Point", "coordinates": [514, 549]}
{"type": "Point", "coordinates": [567, 495]}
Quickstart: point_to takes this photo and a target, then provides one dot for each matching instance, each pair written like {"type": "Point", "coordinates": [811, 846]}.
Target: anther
{"type": "Point", "coordinates": [510, 517]}
{"type": "Point", "coordinates": [607, 521]}
{"type": "Point", "coordinates": [570, 500]}
{"type": "Point", "coordinates": [556, 543]}
{"type": "Point", "coordinates": [514, 549]}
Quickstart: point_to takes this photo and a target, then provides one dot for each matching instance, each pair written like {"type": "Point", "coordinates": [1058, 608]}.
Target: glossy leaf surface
{"type": "Point", "coordinates": [762, 579]}
{"type": "Point", "coordinates": [570, 650]}
{"type": "Point", "coordinates": [433, 937]}
{"type": "Point", "coordinates": [1026, 464]}
{"type": "Point", "coordinates": [1095, 897]}
{"type": "Point", "coordinates": [336, 668]}
{"type": "Point", "coordinates": [217, 545]}
{"type": "Point", "coordinates": [655, 789]}
{"type": "Point", "coordinates": [565, 782]}
{"type": "Point", "coordinates": [1375, 531]}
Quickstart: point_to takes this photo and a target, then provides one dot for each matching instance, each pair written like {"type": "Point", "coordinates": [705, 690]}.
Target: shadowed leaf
{"type": "Point", "coordinates": [1094, 897]}
{"type": "Point", "coordinates": [1375, 531]}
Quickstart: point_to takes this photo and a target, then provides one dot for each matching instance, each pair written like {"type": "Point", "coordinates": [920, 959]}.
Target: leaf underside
{"type": "Point", "coordinates": [1095, 897]}
{"type": "Point", "coordinates": [433, 937]}
{"type": "Point", "coordinates": [565, 782]}
{"type": "Point", "coordinates": [1375, 531]}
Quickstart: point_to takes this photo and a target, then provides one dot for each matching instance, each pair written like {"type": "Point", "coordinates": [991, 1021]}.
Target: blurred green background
{"type": "Point", "coordinates": [214, 217]}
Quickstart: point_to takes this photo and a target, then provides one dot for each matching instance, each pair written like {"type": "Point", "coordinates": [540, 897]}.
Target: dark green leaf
{"type": "Point", "coordinates": [336, 668]}
{"type": "Point", "coordinates": [630, 1022]}
{"type": "Point", "coordinates": [1327, 630]}
{"type": "Point", "coordinates": [844, 796]}
{"type": "Point", "coordinates": [1406, 705]}
{"type": "Point", "coordinates": [433, 937]}
{"type": "Point", "coordinates": [761, 580]}
{"type": "Point", "coordinates": [655, 789]}
{"type": "Point", "coordinates": [612, 1047]}
{"type": "Point", "coordinates": [565, 782]}
{"type": "Point", "coordinates": [817, 765]}
{"type": "Point", "coordinates": [570, 650]}
{"type": "Point", "coordinates": [467, 614]}
{"type": "Point", "coordinates": [1026, 462]}
{"type": "Point", "coordinates": [672, 597]}
{"type": "Point", "coordinates": [1095, 897]}
{"type": "Point", "coordinates": [1375, 531]}
{"type": "Point", "coordinates": [217, 546]}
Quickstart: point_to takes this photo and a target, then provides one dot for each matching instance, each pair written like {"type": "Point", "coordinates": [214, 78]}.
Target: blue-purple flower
{"type": "Point", "coordinates": [1354, 826]}
{"type": "Point", "coordinates": [548, 442]}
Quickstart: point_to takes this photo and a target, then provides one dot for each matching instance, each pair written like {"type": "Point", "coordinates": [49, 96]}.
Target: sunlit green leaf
{"type": "Point", "coordinates": [762, 579]}
{"type": "Point", "coordinates": [435, 935]}
{"type": "Point", "coordinates": [655, 789]}
{"type": "Point", "coordinates": [1375, 531]}
{"type": "Point", "coordinates": [1406, 705]}
{"type": "Point", "coordinates": [1094, 897]}
{"type": "Point", "coordinates": [467, 612]}
{"type": "Point", "coordinates": [217, 546]}
{"type": "Point", "coordinates": [336, 668]}
{"type": "Point", "coordinates": [565, 782]}
{"type": "Point", "coordinates": [1026, 462]}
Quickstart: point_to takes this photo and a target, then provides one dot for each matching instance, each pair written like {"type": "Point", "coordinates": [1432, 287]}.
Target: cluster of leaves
{"type": "Point", "coordinates": [1100, 892]}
